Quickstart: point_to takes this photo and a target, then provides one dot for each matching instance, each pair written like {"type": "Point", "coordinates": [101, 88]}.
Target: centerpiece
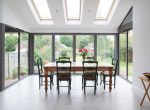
{"type": "Point", "coordinates": [83, 52]}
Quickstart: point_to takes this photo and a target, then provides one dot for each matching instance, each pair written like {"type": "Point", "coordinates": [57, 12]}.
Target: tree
{"type": "Point", "coordinates": [83, 43]}
{"type": "Point", "coordinates": [10, 42]}
{"type": "Point", "coordinates": [66, 40]}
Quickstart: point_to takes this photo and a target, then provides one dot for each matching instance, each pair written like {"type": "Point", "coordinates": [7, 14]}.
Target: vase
{"type": "Point", "coordinates": [83, 56]}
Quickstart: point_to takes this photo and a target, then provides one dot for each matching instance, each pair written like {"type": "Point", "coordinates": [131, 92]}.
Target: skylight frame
{"type": "Point", "coordinates": [79, 13]}
{"type": "Point", "coordinates": [38, 13]}
{"type": "Point", "coordinates": [109, 11]}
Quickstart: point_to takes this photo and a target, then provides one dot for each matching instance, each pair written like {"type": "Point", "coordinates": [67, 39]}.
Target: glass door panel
{"type": "Point", "coordinates": [105, 48]}
{"type": "Point", "coordinates": [84, 41]}
{"type": "Point", "coordinates": [123, 54]}
{"type": "Point", "coordinates": [42, 49]}
{"type": "Point", "coordinates": [130, 55]}
{"type": "Point", "coordinates": [11, 58]}
{"type": "Point", "coordinates": [64, 46]}
{"type": "Point", "coordinates": [24, 39]}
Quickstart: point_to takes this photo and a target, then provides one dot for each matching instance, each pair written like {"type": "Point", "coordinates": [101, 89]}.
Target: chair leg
{"type": "Point", "coordinates": [101, 78]}
{"type": "Point", "coordinates": [95, 86]}
{"type": "Point", "coordinates": [39, 82]}
{"type": "Point", "coordinates": [84, 86]}
{"type": "Point", "coordinates": [97, 78]}
{"type": "Point", "coordinates": [58, 85]}
{"type": "Point", "coordinates": [69, 86]}
{"type": "Point", "coordinates": [104, 82]}
{"type": "Point", "coordinates": [50, 82]}
{"type": "Point", "coordinates": [82, 82]}
{"type": "Point", "coordinates": [114, 81]}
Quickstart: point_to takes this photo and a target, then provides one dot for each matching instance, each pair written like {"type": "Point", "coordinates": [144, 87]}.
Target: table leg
{"type": "Point", "coordinates": [46, 73]}
{"type": "Point", "coordinates": [110, 79]}
{"type": "Point", "coordinates": [146, 92]}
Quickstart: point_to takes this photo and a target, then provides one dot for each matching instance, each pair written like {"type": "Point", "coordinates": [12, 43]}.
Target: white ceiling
{"type": "Point", "coordinates": [22, 10]}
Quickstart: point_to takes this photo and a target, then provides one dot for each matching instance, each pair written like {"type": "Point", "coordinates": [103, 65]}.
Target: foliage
{"type": "Point", "coordinates": [83, 43]}
{"type": "Point", "coordinates": [10, 42]}
{"type": "Point", "coordinates": [66, 40]}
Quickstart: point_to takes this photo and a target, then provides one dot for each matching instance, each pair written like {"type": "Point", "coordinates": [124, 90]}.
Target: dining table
{"type": "Point", "coordinates": [76, 66]}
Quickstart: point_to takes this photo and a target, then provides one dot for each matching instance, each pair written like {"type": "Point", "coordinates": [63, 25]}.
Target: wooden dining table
{"type": "Point", "coordinates": [77, 66]}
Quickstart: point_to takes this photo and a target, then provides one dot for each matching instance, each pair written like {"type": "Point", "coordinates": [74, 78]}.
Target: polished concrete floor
{"type": "Point", "coordinates": [25, 95]}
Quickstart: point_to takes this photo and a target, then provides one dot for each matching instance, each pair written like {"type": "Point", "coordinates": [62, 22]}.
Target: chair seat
{"type": "Point", "coordinates": [64, 76]}
{"type": "Point", "coordinates": [107, 73]}
{"type": "Point", "coordinates": [89, 76]}
{"type": "Point", "coordinates": [43, 75]}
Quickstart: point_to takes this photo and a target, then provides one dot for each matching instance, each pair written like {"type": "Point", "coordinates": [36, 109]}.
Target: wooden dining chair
{"type": "Point", "coordinates": [42, 75]}
{"type": "Point", "coordinates": [89, 74]}
{"type": "Point", "coordinates": [64, 58]}
{"type": "Point", "coordinates": [92, 58]}
{"type": "Point", "coordinates": [105, 74]}
{"type": "Point", "coordinates": [64, 74]}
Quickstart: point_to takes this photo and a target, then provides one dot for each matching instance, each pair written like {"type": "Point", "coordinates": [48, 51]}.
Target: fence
{"type": "Point", "coordinates": [11, 61]}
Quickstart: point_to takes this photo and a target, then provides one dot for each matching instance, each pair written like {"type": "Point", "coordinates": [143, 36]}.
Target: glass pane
{"type": "Point", "coordinates": [123, 54]}
{"type": "Point", "coordinates": [42, 49]}
{"type": "Point", "coordinates": [130, 55]}
{"type": "Point", "coordinates": [105, 48]}
{"type": "Point", "coordinates": [42, 9]}
{"type": "Point", "coordinates": [11, 58]}
{"type": "Point", "coordinates": [24, 39]}
{"type": "Point", "coordinates": [104, 9]}
{"type": "Point", "coordinates": [63, 46]}
{"type": "Point", "coordinates": [84, 41]}
{"type": "Point", "coordinates": [73, 8]}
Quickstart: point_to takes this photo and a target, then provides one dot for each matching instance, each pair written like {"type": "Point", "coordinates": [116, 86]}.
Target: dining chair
{"type": "Point", "coordinates": [42, 75]}
{"type": "Point", "coordinates": [105, 74]}
{"type": "Point", "coordinates": [64, 58]}
{"type": "Point", "coordinates": [89, 74]}
{"type": "Point", "coordinates": [63, 74]}
{"type": "Point", "coordinates": [92, 58]}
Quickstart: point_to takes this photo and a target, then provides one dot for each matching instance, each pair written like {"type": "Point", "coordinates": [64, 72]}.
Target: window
{"type": "Point", "coordinates": [11, 58]}
{"type": "Point", "coordinates": [42, 49]}
{"type": "Point", "coordinates": [84, 41]}
{"type": "Point", "coordinates": [126, 54]}
{"type": "Point", "coordinates": [72, 9]}
{"type": "Point", "coordinates": [105, 48]}
{"type": "Point", "coordinates": [104, 9]}
{"type": "Point", "coordinates": [24, 39]}
{"type": "Point", "coordinates": [42, 9]}
{"type": "Point", "coordinates": [64, 46]}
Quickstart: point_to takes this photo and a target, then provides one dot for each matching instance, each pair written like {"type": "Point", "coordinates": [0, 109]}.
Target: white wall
{"type": "Point", "coordinates": [10, 16]}
{"type": "Point", "coordinates": [1, 11]}
{"type": "Point", "coordinates": [141, 46]}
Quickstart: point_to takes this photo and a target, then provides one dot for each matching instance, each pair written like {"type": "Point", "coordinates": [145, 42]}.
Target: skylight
{"type": "Point", "coordinates": [73, 9]}
{"type": "Point", "coordinates": [42, 9]}
{"type": "Point", "coordinates": [104, 9]}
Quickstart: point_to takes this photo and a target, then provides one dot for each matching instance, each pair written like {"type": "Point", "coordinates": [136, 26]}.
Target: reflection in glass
{"type": "Point", "coordinates": [105, 48]}
{"type": "Point", "coordinates": [42, 49]}
{"type": "Point", "coordinates": [24, 39]}
{"type": "Point", "coordinates": [84, 41]}
{"type": "Point", "coordinates": [63, 46]}
{"type": "Point", "coordinates": [11, 58]}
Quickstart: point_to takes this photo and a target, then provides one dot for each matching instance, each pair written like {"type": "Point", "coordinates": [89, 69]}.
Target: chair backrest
{"type": "Point", "coordinates": [90, 58]}
{"type": "Point", "coordinates": [90, 67]}
{"type": "Point", "coordinates": [40, 66]}
{"type": "Point", "coordinates": [64, 58]}
{"type": "Point", "coordinates": [63, 69]}
{"type": "Point", "coordinates": [115, 64]}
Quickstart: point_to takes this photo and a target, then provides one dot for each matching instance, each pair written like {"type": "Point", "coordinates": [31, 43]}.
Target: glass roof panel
{"type": "Point", "coordinates": [104, 9]}
{"type": "Point", "coordinates": [42, 9]}
{"type": "Point", "coordinates": [73, 9]}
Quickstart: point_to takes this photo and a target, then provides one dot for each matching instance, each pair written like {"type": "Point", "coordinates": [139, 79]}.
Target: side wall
{"type": "Point", "coordinates": [9, 15]}
{"type": "Point", "coordinates": [141, 46]}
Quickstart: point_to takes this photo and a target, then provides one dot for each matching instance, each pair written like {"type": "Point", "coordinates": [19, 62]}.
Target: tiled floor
{"type": "Point", "coordinates": [25, 95]}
